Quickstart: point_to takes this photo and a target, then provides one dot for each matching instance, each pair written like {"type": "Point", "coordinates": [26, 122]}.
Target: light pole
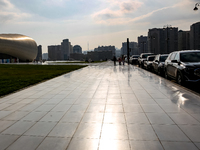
{"type": "Point", "coordinates": [196, 5]}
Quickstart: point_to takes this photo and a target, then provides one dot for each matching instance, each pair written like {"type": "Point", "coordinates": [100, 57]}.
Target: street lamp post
{"type": "Point", "coordinates": [128, 50]}
{"type": "Point", "coordinates": [196, 5]}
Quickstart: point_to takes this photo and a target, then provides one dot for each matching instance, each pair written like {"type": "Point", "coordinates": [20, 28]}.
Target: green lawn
{"type": "Point", "coordinates": [15, 77]}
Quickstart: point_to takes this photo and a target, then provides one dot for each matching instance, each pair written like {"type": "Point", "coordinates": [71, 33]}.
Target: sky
{"type": "Point", "coordinates": [93, 22]}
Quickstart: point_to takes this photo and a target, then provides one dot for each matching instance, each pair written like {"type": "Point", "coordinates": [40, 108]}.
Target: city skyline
{"type": "Point", "coordinates": [100, 22]}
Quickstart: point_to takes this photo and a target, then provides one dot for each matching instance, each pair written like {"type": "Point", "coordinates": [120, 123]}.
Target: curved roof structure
{"type": "Point", "coordinates": [18, 46]}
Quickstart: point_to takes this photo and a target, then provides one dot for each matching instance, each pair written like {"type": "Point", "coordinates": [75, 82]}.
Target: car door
{"type": "Point", "coordinates": [170, 65]}
{"type": "Point", "coordinates": [175, 65]}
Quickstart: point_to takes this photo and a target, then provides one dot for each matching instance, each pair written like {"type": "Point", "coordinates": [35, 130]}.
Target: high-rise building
{"type": "Point", "coordinates": [133, 46]}
{"type": "Point", "coordinates": [163, 40]}
{"type": "Point", "coordinates": [183, 40]}
{"type": "Point", "coordinates": [77, 49]}
{"type": "Point", "coordinates": [55, 52]}
{"type": "Point", "coordinates": [195, 36]}
{"type": "Point", "coordinates": [39, 54]}
{"type": "Point", "coordinates": [65, 46]}
{"type": "Point", "coordinates": [142, 44]}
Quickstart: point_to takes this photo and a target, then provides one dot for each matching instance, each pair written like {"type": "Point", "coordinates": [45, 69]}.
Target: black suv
{"type": "Point", "coordinates": [142, 58]}
{"type": "Point", "coordinates": [158, 63]}
{"type": "Point", "coordinates": [183, 66]}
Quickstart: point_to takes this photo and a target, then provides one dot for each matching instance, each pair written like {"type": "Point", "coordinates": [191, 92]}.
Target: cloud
{"type": "Point", "coordinates": [116, 13]}
{"type": "Point", "coordinates": [129, 6]}
{"type": "Point", "coordinates": [9, 13]}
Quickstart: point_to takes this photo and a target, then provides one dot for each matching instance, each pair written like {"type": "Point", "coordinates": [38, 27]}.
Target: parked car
{"type": "Point", "coordinates": [148, 62]}
{"type": "Point", "coordinates": [158, 63]}
{"type": "Point", "coordinates": [142, 58]}
{"type": "Point", "coordinates": [184, 66]}
{"type": "Point", "coordinates": [134, 59]}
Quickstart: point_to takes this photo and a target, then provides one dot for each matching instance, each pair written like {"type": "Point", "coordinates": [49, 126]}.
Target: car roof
{"type": "Point", "coordinates": [187, 51]}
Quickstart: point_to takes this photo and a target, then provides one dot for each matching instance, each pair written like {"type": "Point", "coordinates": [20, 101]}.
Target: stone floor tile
{"type": "Point", "coordinates": [114, 132]}
{"type": "Point", "coordinates": [136, 118]}
{"type": "Point", "coordinates": [26, 143]}
{"type": "Point", "coordinates": [114, 118]}
{"type": "Point", "coordinates": [53, 116]}
{"type": "Point", "coordinates": [40, 129]}
{"type": "Point", "coordinates": [34, 116]}
{"type": "Point", "coordinates": [18, 128]}
{"type": "Point", "coordinates": [141, 132]}
{"type": "Point", "coordinates": [146, 145]}
{"type": "Point", "coordinates": [88, 130]}
{"type": "Point", "coordinates": [114, 144]}
{"type": "Point", "coordinates": [132, 108]}
{"type": "Point", "coordinates": [16, 116]}
{"type": "Point", "coordinates": [179, 146]}
{"type": "Point", "coordinates": [170, 133]}
{"type": "Point", "coordinates": [83, 144]}
{"type": "Point", "coordinates": [152, 108]}
{"type": "Point", "coordinates": [92, 118]}
{"type": "Point", "coordinates": [72, 117]}
{"type": "Point", "coordinates": [183, 118]}
{"type": "Point", "coordinates": [159, 118]}
{"type": "Point", "coordinates": [64, 130]}
{"type": "Point", "coordinates": [52, 143]}
{"type": "Point", "coordinates": [192, 131]}
{"type": "Point", "coordinates": [6, 140]}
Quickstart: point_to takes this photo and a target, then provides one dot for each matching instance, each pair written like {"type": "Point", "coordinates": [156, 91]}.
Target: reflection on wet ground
{"type": "Point", "coordinates": [101, 107]}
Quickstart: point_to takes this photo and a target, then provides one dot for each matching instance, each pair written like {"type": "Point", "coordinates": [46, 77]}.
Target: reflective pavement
{"type": "Point", "coordinates": [101, 107]}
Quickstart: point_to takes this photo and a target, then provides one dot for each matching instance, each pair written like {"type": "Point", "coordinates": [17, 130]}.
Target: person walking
{"type": "Point", "coordinates": [120, 60]}
{"type": "Point", "coordinates": [123, 59]}
{"type": "Point", "coordinates": [114, 59]}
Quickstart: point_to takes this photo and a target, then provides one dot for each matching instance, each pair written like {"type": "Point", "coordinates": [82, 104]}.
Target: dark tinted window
{"type": "Point", "coordinates": [163, 58]}
{"type": "Point", "coordinates": [190, 57]}
{"type": "Point", "coordinates": [135, 56]}
{"type": "Point", "coordinates": [151, 58]}
{"type": "Point", "coordinates": [145, 55]}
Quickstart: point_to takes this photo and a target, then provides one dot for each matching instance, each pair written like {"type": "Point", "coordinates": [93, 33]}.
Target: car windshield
{"type": "Point", "coordinates": [135, 56]}
{"type": "Point", "coordinates": [151, 58]}
{"type": "Point", "coordinates": [190, 57]}
{"type": "Point", "coordinates": [145, 55]}
{"type": "Point", "coordinates": [163, 58]}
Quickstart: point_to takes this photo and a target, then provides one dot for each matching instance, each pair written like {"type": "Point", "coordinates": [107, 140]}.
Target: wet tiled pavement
{"type": "Point", "coordinates": [101, 107]}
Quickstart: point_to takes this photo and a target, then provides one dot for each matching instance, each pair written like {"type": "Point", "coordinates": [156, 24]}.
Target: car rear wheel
{"type": "Point", "coordinates": [180, 79]}
{"type": "Point", "coordinates": [166, 75]}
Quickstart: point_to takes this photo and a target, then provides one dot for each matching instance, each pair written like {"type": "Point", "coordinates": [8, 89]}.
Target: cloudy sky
{"type": "Point", "coordinates": [97, 22]}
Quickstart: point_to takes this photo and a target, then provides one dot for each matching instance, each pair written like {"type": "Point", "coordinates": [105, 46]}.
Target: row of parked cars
{"type": "Point", "coordinates": [183, 66]}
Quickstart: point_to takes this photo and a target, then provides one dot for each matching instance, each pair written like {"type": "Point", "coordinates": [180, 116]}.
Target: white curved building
{"type": "Point", "coordinates": [17, 46]}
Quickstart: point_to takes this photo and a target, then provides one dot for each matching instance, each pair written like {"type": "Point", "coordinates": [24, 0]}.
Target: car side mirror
{"type": "Point", "coordinates": [156, 60]}
{"type": "Point", "coordinates": [174, 61]}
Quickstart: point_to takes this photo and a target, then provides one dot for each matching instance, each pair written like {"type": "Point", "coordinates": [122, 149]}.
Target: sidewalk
{"type": "Point", "coordinates": [101, 107]}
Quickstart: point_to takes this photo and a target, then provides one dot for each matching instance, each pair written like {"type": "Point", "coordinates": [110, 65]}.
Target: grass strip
{"type": "Point", "coordinates": [15, 77]}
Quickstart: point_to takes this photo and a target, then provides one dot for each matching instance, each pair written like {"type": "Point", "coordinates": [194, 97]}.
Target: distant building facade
{"type": "Point", "coordinates": [39, 54]}
{"type": "Point", "coordinates": [195, 36]}
{"type": "Point", "coordinates": [45, 56]}
{"type": "Point", "coordinates": [133, 46]}
{"type": "Point", "coordinates": [183, 40]}
{"type": "Point", "coordinates": [106, 48]}
{"type": "Point", "coordinates": [163, 40]}
{"type": "Point", "coordinates": [77, 49]}
{"type": "Point", "coordinates": [142, 44]}
{"type": "Point", "coordinates": [99, 55]}
{"type": "Point", "coordinates": [60, 52]}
